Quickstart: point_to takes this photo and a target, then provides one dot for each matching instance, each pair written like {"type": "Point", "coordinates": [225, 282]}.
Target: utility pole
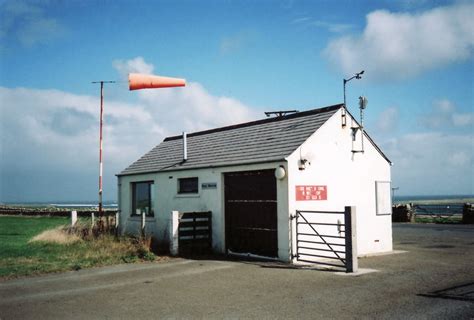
{"type": "Point", "coordinates": [393, 193]}
{"type": "Point", "coordinates": [100, 142]}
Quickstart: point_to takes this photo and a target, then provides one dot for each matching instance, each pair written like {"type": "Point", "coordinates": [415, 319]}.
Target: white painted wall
{"type": "Point", "coordinates": [167, 200]}
{"type": "Point", "coordinates": [350, 180]}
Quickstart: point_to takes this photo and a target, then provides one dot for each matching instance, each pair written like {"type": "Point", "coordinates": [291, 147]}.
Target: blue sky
{"type": "Point", "coordinates": [240, 58]}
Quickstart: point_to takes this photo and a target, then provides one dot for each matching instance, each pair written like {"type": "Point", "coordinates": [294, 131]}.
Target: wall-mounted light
{"type": "Point", "coordinates": [302, 163]}
{"type": "Point", "coordinates": [280, 173]}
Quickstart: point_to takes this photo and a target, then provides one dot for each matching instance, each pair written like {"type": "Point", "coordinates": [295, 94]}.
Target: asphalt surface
{"type": "Point", "coordinates": [439, 262]}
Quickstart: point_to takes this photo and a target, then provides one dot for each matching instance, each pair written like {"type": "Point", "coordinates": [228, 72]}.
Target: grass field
{"type": "Point", "coordinates": [20, 257]}
{"type": "Point", "coordinates": [443, 220]}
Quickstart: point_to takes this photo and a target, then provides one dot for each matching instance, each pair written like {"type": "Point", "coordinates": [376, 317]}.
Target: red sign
{"type": "Point", "coordinates": [304, 193]}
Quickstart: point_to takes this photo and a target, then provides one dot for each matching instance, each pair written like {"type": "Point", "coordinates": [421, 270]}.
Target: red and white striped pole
{"type": "Point", "coordinates": [136, 81]}
{"type": "Point", "coordinates": [100, 142]}
{"type": "Point", "coordinates": [100, 146]}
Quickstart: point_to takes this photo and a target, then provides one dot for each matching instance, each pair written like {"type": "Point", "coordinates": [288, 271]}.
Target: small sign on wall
{"type": "Point", "coordinates": [209, 185]}
{"type": "Point", "coordinates": [304, 193]}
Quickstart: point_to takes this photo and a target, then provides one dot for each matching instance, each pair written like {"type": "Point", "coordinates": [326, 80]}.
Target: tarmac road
{"type": "Point", "coordinates": [438, 257]}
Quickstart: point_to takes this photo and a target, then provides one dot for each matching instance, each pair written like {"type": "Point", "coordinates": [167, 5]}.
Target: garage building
{"type": "Point", "coordinates": [254, 177]}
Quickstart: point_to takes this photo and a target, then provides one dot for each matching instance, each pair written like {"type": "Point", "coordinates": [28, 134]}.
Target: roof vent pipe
{"type": "Point", "coordinates": [185, 146]}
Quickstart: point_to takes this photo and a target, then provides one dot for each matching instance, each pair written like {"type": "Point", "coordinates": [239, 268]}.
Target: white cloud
{"type": "Point", "coordinates": [388, 120]}
{"type": "Point", "coordinates": [28, 23]}
{"type": "Point", "coordinates": [402, 45]}
{"type": "Point", "coordinates": [463, 119]}
{"type": "Point", "coordinates": [49, 138]}
{"type": "Point", "coordinates": [443, 106]}
{"type": "Point", "coordinates": [460, 158]}
{"type": "Point", "coordinates": [432, 163]}
{"type": "Point", "coordinates": [330, 26]}
{"type": "Point", "coordinates": [193, 108]}
{"type": "Point", "coordinates": [444, 115]}
{"type": "Point", "coordinates": [138, 65]}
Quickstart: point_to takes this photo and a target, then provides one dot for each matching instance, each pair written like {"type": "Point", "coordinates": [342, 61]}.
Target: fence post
{"type": "Point", "coordinates": [92, 219]}
{"type": "Point", "coordinates": [351, 239]}
{"type": "Point", "coordinates": [173, 233]}
{"type": "Point", "coordinates": [73, 218]}
{"type": "Point", "coordinates": [209, 226]}
{"type": "Point", "coordinates": [468, 213]}
{"type": "Point", "coordinates": [143, 224]}
{"type": "Point", "coordinates": [116, 223]}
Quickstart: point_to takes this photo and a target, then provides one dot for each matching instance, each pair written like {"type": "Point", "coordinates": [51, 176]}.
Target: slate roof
{"type": "Point", "coordinates": [265, 140]}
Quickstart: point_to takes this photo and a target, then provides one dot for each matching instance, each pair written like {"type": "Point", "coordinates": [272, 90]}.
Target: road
{"type": "Point", "coordinates": [437, 257]}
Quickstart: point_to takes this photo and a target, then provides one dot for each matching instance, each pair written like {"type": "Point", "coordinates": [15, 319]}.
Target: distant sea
{"type": "Point", "coordinates": [113, 204]}
{"type": "Point", "coordinates": [454, 198]}
{"type": "Point", "coordinates": [435, 200]}
{"type": "Point", "coordinates": [63, 204]}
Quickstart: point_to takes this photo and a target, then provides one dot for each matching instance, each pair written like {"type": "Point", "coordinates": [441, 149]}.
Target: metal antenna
{"type": "Point", "coordinates": [100, 141]}
{"type": "Point", "coordinates": [356, 76]}
{"type": "Point", "coordinates": [362, 105]}
{"type": "Point", "coordinates": [280, 113]}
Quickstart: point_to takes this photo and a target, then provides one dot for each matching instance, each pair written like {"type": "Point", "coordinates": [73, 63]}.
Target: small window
{"type": "Point", "coordinates": [143, 196]}
{"type": "Point", "coordinates": [383, 199]}
{"type": "Point", "coordinates": [188, 185]}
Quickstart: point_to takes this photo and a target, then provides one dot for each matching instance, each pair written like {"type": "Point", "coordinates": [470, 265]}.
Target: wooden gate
{"type": "Point", "coordinates": [327, 238]}
{"type": "Point", "coordinates": [195, 233]}
{"type": "Point", "coordinates": [251, 212]}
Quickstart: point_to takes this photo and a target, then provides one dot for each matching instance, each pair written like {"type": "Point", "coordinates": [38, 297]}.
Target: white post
{"type": "Point", "coordinates": [73, 218]}
{"type": "Point", "coordinates": [92, 218]}
{"type": "Point", "coordinates": [143, 223]}
{"type": "Point", "coordinates": [116, 220]}
{"type": "Point", "coordinates": [173, 233]}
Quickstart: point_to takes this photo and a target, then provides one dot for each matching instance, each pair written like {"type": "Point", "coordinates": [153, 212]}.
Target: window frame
{"type": "Point", "coordinates": [150, 204]}
{"type": "Point", "coordinates": [193, 191]}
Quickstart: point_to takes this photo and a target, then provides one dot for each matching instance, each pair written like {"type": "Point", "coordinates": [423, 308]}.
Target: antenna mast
{"type": "Point", "coordinates": [280, 113]}
{"type": "Point", "coordinates": [344, 81]}
{"type": "Point", "coordinates": [362, 105]}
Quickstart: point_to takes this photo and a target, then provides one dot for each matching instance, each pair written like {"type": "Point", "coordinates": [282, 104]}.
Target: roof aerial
{"type": "Point", "coordinates": [280, 113]}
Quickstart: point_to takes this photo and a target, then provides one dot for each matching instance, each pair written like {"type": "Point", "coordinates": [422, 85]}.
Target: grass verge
{"type": "Point", "coordinates": [440, 220]}
{"type": "Point", "coordinates": [20, 256]}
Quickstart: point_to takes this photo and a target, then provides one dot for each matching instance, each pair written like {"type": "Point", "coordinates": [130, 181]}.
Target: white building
{"type": "Point", "coordinates": [230, 171]}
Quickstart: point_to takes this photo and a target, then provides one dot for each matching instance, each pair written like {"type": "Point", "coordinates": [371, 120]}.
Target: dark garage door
{"type": "Point", "coordinates": [251, 212]}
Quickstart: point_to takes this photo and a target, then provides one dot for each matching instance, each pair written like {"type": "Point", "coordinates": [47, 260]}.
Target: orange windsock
{"type": "Point", "coordinates": [138, 81]}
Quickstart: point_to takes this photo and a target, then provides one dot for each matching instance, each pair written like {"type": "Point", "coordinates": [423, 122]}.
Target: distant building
{"type": "Point", "coordinates": [254, 176]}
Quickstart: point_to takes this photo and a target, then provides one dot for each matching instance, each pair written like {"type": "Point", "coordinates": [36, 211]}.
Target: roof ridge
{"type": "Point", "coordinates": [257, 122]}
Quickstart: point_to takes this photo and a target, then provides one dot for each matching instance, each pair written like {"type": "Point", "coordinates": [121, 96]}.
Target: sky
{"type": "Point", "coordinates": [240, 58]}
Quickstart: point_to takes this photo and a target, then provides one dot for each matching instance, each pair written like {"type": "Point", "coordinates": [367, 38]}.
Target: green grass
{"type": "Point", "coordinates": [440, 220]}
{"type": "Point", "coordinates": [19, 257]}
